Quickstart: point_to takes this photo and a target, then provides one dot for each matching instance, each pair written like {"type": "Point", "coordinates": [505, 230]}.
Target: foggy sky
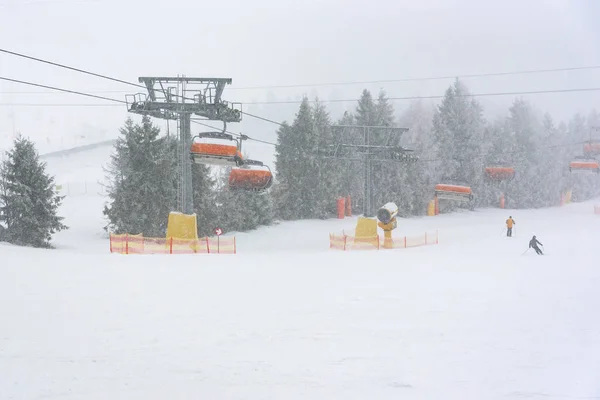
{"type": "Point", "coordinates": [268, 42]}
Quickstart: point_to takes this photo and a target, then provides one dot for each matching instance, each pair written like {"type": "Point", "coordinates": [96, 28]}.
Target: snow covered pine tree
{"type": "Point", "coordinates": [28, 199]}
{"type": "Point", "coordinates": [141, 185]}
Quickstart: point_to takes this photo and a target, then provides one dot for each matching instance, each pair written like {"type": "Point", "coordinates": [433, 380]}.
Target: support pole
{"type": "Point", "coordinates": [187, 203]}
{"type": "Point", "coordinates": [367, 211]}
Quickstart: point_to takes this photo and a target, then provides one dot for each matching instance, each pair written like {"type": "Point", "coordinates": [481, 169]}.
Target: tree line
{"type": "Point", "coordinates": [454, 140]}
{"type": "Point", "coordinates": [455, 143]}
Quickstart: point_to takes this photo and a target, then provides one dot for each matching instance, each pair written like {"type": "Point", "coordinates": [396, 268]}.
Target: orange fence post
{"type": "Point", "coordinates": [348, 206]}
{"type": "Point", "coordinates": [207, 246]}
{"type": "Point", "coordinates": [127, 243]}
{"type": "Point", "coordinates": [171, 245]}
{"type": "Point", "coordinates": [345, 237]}
{"type": "Point", "coordinates": [404, 241]}
{"type": "Point", "coordinates": [110, 241]}
{"type": "Point", "coordinates": [234, 246]}
{"type": "Point", "coordinates": [341, 207]}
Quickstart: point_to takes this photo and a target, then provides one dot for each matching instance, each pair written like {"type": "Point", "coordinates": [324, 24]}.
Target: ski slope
{"type": "Point", "coordinates": [287, 318]}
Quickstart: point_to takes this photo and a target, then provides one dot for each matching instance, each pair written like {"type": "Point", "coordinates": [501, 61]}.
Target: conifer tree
{"type": "Point", "coordinates": [141, 177]}
{"type": "Point", "coordinates": [420, 176]}
{"type": "Point", "coordinates": [526, 128]}
{"type": "Point", "coordinates": [328, 173]}
{"type": "Point", "coordinates": [28, 199]}
{"type": "Point", "coordinates": [550, 163]}
{"type": "Point", "coordinates": [298, 167]}
{"type": "Point", "coordinates": [285, 177]}
{"type": "Point", "coordinates": [458, 127]}
{"type": "Point", "coordinates": [366, 110]}
{"type": "Point", "coordinates": [204, 197]}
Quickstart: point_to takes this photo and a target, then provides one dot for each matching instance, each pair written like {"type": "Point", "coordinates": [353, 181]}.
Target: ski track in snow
{"type": "Point", "coordinates": [470, 318]}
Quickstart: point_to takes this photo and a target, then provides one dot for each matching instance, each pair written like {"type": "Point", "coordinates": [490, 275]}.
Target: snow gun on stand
{"type": "Point", "coordinates": [387, 221]}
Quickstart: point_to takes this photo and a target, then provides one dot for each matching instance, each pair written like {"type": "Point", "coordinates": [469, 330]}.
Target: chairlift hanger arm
{"type": "Point", "coordinates": [215, 135]}
{"type": "Point", "coordinates": [253, 162]}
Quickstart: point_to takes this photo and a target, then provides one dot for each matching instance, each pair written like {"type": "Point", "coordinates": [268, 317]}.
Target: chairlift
{"type": "Point", "coordinates": [251, 175]}
{"type": "Point", "coordinates": [584, 165]}
{"type": "Point", "coordinates": [213, 152]}
{"type": "Point", "coordinates": [498, 173]}
{"type": "Point", "coordinates": [454, 192]}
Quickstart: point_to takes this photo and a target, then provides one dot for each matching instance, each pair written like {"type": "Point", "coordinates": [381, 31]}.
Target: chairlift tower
{"type": "Point", "coordinates": [350, 147]}
{"type": "Point", "coordinates": [178, 98]}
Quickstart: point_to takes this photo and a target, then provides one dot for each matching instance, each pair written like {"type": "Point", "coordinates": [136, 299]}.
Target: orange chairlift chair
{"type": "Point", "coordinates": [583, 164]}
{"type": "Point", "coordinates": [500, 173]}
{"type": "Point", "coordinates": [206, 149]}
{"type": "Point", "coordinates": [250, 175]}
{"type": "Point", "coordinates": [454, 192]}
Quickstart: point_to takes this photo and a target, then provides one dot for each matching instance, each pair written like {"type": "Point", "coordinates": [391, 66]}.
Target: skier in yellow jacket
{"type": "Point", "coordinates": [509, 225]}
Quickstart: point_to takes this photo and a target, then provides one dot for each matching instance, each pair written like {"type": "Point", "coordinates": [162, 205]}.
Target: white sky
{"type": "Point", "coordinates": [267, 42]}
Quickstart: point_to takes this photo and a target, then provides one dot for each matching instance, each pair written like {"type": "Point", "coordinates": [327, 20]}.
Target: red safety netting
{"type": "Point", "coordinates": [138, 244]}
{"type": "Point", "coordinates": [345, 242]}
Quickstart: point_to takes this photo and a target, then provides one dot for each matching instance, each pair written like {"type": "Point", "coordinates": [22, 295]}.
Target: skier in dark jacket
{"type": "Point", "coordinates": [534, 243]}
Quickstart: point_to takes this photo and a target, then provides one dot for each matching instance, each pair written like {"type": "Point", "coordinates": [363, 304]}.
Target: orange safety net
{"type": "Point", "coordinates": [345, 242]}
{"type": "Point", "coordinates": [219, 150]}
{"type": "Point", "coordinates": [138, 244]}
{"type": "Point", "coordinates": [453, 188]}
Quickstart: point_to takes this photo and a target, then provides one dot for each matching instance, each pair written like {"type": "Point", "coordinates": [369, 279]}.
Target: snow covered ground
{"type": "Point", "coordinates": [287, 318]}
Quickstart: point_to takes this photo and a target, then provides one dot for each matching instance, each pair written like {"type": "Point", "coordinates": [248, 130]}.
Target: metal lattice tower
{"type": "Point", "coordinates": [178, 98]}
{"type": "Point", "coordinates": [351, 147]}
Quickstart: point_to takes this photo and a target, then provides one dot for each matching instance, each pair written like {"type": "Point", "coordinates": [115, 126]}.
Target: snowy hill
{"type": "Point", "coordinates": [287, 318]}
